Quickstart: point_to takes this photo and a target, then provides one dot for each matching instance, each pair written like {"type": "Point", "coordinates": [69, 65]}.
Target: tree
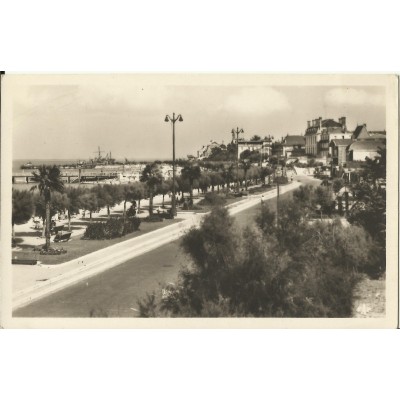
{"type": "Point", "coordinates": [165, 188]}
{"type": "Point", "coordinates": [110, 195]}
{"type": "Point", "coordinates": [127, 194]}
{"type": "Point", "coordinates": [337, 184]}
{"type": "Point", "coordinates": [89, 202]}
{"type": "Point", "coordinates": [255, 273]}
{"type": "Point", "coordinates": [246, 166]}
{"type": "Point", "coordinates": [245, 154]}
{"type": "Point", "coordinates": [324, 198]}
{"type": "Point", "coordinates": [204, 181]}
{"type": "Point", "coordinates": [74, 203]}
{"type": "Point", "coordinates": [48, 180]}
{"type": "Point", "coordinates": [375, 169]}
{"type": "Point", "coordinates": [139, 192]}
{"type": "Point", "coordinates": [228, 175]}
{"type": "Point", "coordinates": [216, 179]}
{"type": "Point", "coordinates": [255, 138]}
{"type": "Point", "coordinates": [265, 171]}
{"type": "Point", "coordinates": [191, 173]}
{"type": "Point", "coordinates": [152, 177]}
{"type": "Point", "coordinates": [22, 208]}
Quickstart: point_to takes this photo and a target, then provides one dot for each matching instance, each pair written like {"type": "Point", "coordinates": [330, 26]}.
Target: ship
{"type": "Point", "coordinates": [28, 165]}
{"type": "Point", "coordinates": [100, 160]}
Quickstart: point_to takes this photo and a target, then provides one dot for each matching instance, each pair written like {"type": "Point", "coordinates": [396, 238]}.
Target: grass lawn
{"type": "Point", "coordinates": [230, 200]}
{"type": "Point", "coordinates": [77, 247]}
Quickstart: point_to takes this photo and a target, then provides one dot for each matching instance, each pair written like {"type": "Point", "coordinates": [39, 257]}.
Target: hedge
{"type": "Point", "coordinates": [112, 228]}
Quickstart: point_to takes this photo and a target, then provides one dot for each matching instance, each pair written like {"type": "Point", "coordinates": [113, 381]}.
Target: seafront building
{"type": "Point", "coordinates": [263, 145]}
{"type": "Point", "coordinates": [319, 133]}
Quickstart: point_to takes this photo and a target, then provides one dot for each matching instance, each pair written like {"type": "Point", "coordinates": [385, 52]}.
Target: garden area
{"type": "Point", "coordinates": [53, 224]}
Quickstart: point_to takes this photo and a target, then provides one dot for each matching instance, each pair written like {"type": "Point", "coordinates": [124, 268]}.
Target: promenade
{"type": "Point", "coordinates": [33, 282]}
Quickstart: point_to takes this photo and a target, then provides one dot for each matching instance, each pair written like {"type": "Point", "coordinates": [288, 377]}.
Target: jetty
{"type": "Point", "coordinates": [70, 175]}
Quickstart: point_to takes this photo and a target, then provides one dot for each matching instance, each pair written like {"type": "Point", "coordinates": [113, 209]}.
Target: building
{"type": "Point", "coordinates": [361, 149]}
{"type": "Point", "coordinates": [361, 133]}
{"type": "Point", "coordinates": [338, 149]}
{"type": "Point", "coordinates": [365, 143]}
{"type": "Point", "coordinates": [320, 133]}
{"type": "Point", "coordinates": [293, 146]}
{"type": "Point", "coordinates": [206, 150]}
{"type": "Point", "coordinates": [263, 146]}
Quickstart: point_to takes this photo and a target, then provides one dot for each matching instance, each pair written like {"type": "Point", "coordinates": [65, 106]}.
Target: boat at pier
{"type": "Point", "coordinates": [28, 165]}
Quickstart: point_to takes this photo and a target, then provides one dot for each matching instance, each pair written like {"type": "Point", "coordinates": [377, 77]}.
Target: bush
{"type": "Point", "coordinates": [291, 270]}
{"type": "Point", "coordinates": [52, 252]}
{"type": "Point", "coordinates": [131, 225]}
{"type": "Point", "coordinates": [212, 199]}
{"type": "Point", "coordinates": [114, 227]}
{"type": "Point", "coordinates": [95, 231]}
{"type": "Point", "coordinates": [131, 211]}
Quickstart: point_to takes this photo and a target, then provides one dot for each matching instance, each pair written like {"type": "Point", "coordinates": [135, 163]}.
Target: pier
{"type": "Point", "coordinates": [73, 176]}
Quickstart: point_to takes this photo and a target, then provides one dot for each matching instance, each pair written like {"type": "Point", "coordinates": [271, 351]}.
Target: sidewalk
{"type": "Point", "coordinates": [33, 282]}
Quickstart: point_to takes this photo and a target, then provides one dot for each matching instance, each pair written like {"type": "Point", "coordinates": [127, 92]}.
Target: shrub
{"type": "Point", "coordinates": [52, 252]}
{"type": "Point", "coordinates": [131, 225]}
{"type": "Point", "coordinates": [212, 199]}
{"type": "Point", "coordinates": [95, 231]}
{"type": "Point", "coordinates": [114, 227]}
{"type": "Point", "coordinates": [291, 270]}
{"type": "Point", "coordinates": [131, 211]}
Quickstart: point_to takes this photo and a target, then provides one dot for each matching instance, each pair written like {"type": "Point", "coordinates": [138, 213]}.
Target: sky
{"type": "Point", "coordinates": [70, 121]}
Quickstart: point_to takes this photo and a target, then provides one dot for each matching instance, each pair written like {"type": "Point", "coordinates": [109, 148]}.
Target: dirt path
{"type": "Point", "coordinates": [370, 298]}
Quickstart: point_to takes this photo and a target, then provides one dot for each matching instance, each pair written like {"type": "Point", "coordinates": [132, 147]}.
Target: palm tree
{"type": "Point", "coordinates": [48, 180]}
{"type": "Point", "coordinates": [191, 173]}
{"type": "Point", "coordinates": [152, 177]}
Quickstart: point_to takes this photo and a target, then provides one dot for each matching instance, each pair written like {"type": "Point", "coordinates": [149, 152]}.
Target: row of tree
{"type": "Point", "coordinates": [49, 195]}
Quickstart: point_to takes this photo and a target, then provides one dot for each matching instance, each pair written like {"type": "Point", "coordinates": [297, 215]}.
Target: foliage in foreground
{"type": "Point", "coordinates": [291, 270]}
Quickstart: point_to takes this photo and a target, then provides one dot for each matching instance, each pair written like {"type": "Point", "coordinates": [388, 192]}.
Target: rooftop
{"type": "Point", "coordinates": [341, 142]}
{"type": "Point", "coordinates": [366, 145]}
{"type": "Point", "coordinates": [294, 140]}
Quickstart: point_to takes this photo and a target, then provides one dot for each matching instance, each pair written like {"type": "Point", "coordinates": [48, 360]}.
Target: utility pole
{"type": "Point", "coordinates": [237, 132]}
{"type": "Point", "coordinates": [173, 120]}
{"type": "Point", "coordinates": [277, 203]}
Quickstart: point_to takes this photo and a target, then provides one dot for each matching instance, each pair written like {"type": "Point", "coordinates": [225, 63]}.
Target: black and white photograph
{"type": "Point", "coordinates": [219, 200]}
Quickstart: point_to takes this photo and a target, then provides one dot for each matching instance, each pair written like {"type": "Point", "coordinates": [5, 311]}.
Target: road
{"type": "Point", "coordinates": [114, 293]}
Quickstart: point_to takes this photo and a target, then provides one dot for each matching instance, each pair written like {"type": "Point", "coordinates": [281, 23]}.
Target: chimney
{"type": "Point", "coordinates": [308, 124]}
{"type": "Point", "coordinates": [342, 121]}
{"type": "Point", "coordinates": [320, 122]}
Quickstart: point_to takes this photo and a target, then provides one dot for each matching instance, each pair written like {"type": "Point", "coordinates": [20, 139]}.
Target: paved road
{"type": "Point", "coordinates": [114, 293]}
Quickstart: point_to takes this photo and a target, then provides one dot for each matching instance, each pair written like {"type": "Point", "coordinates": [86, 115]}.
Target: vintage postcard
{"type": "Point", "coordinates": [199, 201]}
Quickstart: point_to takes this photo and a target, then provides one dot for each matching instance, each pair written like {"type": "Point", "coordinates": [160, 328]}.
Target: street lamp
{"type": "Point", "coordinates": [173, 120]}
{"type": "Point", "coordinates": [237, 132]}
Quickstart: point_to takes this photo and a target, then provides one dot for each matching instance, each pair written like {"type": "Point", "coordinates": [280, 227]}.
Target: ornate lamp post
{"type": "Point", "coordinates": [173, 120]}
{"type": "Point", "coordinates": [237, 132]}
